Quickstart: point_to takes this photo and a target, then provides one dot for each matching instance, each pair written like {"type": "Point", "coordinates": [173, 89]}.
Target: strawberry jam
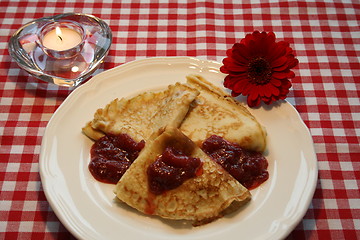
{"type": "Point", "coordinates": [112, 155]}
{"type": "Point", "coordinates": [171, 169]}
{"type": "Point", "coordinates": [249, 168]}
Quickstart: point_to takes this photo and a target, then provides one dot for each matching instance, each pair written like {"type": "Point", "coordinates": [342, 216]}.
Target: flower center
{"type": "Point", "coordinates": [259, 71]}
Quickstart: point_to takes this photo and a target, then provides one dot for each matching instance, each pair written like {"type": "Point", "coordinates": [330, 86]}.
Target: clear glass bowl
{"type": "Point", "coordinates": [26, 49]}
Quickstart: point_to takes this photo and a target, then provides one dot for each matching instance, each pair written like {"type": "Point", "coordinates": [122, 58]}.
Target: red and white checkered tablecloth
{"type": "Point", "coordinates": [324, 34]}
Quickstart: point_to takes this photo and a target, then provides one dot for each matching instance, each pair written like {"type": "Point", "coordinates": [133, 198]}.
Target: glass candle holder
{"type": "Point", "coordinates": [64, 49]}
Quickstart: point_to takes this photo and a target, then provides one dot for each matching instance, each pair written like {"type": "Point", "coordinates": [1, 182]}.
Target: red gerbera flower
{"type": "Point", "coordinates": [259, 68]}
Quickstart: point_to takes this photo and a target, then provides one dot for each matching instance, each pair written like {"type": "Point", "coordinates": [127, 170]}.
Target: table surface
{"type": "Point", "coordinates": [324, 34]}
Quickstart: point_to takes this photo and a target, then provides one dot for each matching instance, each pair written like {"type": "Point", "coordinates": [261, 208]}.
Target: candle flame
{"type": "Point", "coordinates": [58, 32]}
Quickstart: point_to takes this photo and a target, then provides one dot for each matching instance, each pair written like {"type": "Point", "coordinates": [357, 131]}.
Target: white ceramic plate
{"type": "Point", "coordinates": [87, 207]}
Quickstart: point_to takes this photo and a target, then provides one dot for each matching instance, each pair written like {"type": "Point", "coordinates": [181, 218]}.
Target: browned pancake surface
{"type": "Point", "coordinates": [214, 112]}
{"type": "Point", "coordinates": [143, 114]}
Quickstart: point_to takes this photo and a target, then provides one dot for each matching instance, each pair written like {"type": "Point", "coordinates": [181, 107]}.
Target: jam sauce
{"type": "Point", "coordinates": [249, 168]}
{"type": "Point", "coordinates": [171, 169]}
{"type": "Point", "coordinates": [112, 155]}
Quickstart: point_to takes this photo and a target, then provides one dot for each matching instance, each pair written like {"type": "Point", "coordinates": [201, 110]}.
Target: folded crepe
{"type": "Point", "coordinates": [142, 115]}
{"type": "Point", "coordinates": [214, 112]}
{"type": "Point", "coordinates": [198, 108]}
{"type": "Point", "coordinates": [201, 198]}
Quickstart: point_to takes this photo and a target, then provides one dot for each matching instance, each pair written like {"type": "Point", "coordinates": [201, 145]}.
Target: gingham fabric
{"type": "Point", "coordinates": [324, 34]}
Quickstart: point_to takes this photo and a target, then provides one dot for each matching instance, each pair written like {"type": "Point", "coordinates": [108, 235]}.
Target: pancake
{"type": "Point", "coordinates": [198, 108]}
{"type": "Point", "coordinates": [214, 112]}
{"type": "Point", "coordinates": [142, 115]}
{"type": "Point", "coordinates": [200, 199]}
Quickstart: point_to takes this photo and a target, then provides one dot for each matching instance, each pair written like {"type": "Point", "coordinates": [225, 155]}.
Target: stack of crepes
{"type": "Point", "coordinates": [182, 116]}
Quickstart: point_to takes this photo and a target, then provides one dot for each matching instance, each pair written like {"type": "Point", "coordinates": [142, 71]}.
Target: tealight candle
{"type": "Point", "coordinates": [62, 39]}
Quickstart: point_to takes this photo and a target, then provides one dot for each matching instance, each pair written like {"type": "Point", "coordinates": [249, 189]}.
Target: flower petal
{"type": "Point", "coordinates": [242, 48]}
{"type": "Point", "coordinates": [267, 90]}
{"type": "Point", "coordinates": [253, 100]}
{"type": "Point", "coordinates": [234, 94]}
{"type": "Point", "coordinates": [239, 85]}
{"type": "Point", "coordinates": [279, 62]}
{"type": "Point", "coordinates": [275, 82]}
{"type": "Point", "coordinates": [248, 87]}
{"type": "Point", "coordinates": [276, 52]}
{"type": "Point", "coordinates": [282, 68]}
{"type": "Point", "coordinates": [293, 61]}
{"type": "Point", "coordinates": [240, 55]}
{"type": "Point", "coordinates": [274, 90]}
{"type": "Point", "coordinates": [291, 74]}
{"type": "Point", "coordinates": [232, 66]}
{"type": "Point", "coordinates": [280, 75]}
{"type": "Point", "coordinates": [229, 81]}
